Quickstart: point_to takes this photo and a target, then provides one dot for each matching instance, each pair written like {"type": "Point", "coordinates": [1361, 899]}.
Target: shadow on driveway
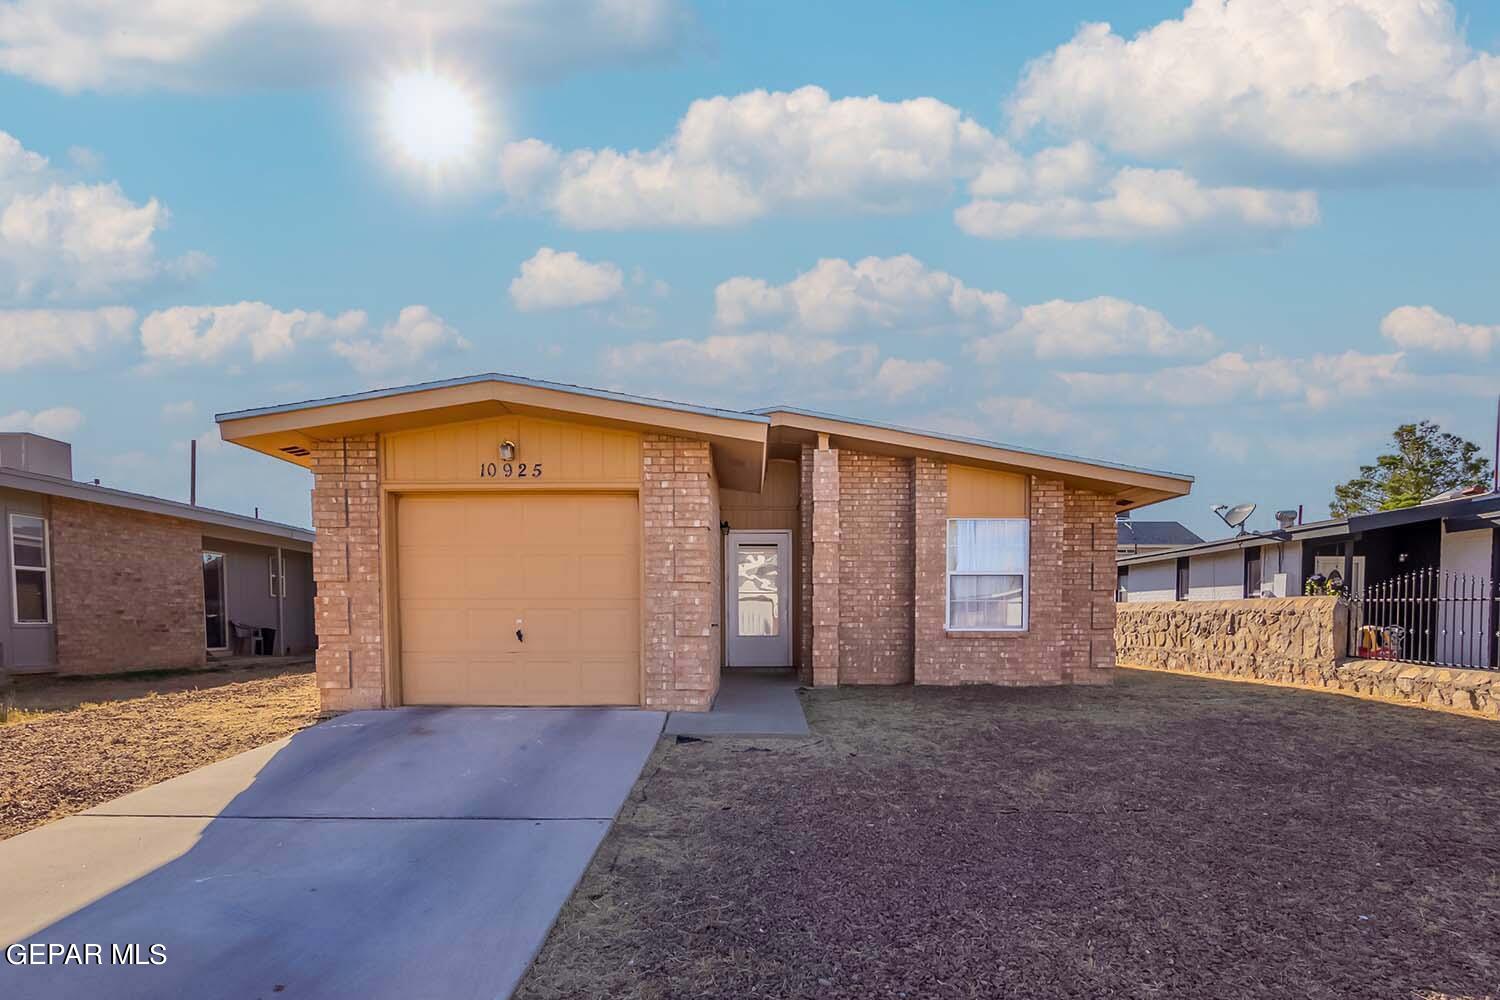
{"type": "Point", "coordinates": [413, 852]}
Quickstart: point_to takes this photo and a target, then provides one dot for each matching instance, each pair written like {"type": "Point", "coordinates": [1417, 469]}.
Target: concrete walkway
{"type": "Point", "coordinates": [751, 702]}
{"type": "Point", "coordinates": [415, 852]}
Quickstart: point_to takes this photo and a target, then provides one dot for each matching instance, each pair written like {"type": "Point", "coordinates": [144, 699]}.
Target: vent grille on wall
{"type": "Point", "coordinates": [296, 449]}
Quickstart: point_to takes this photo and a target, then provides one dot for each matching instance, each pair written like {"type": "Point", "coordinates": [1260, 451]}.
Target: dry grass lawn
{"type": "Point", "coordinates": [1164, 837]}
{"type": "Point", "coordinates": [75, 743]}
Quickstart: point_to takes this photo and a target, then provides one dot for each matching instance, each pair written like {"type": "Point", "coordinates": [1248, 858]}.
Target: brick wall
{"type": "Point", "coordinates": [804, 566]}
{"type": "Point", "coordinates": [346, 566]}
{"type": "Point", "coordinates": [876, 569]}
{"type": "Point", "coordinates": [683, 555]}
{"type": "Point", "coordinates": [127, 589]}
{"type": "Point", "coordinates": [1068, 636]}
{"type": "Point", "coordinates": [826, 566]}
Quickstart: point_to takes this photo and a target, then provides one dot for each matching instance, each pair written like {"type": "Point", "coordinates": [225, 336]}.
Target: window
{"type": "Point", "coordinates": [1182, 578]}
{"type": "Point", "coordinates": [277, 571]}
{"type": "Point", "coordinates": [31, 563]}
{"type": "Point", "coordinates": [215, 618]}
{"type": "Point", "coordinates": [1122, 584]}
{"type": "Point", "coordinates": [1252, 572]}
{"type": "Point", "coordinates": [987, 560]}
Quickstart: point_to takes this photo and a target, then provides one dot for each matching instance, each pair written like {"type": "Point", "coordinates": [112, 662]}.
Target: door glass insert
{"type": "Point", "coordinates": [758, 599]}
{"type": "Point", "coordinates": [214, 625]}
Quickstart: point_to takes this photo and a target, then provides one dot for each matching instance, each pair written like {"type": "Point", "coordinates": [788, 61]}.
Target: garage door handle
{"type": "Point", "coordinates": [520, 636]}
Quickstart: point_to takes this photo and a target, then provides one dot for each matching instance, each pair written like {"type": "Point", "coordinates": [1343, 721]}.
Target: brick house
{"type": "Point", "coordinates": [499, 540]}
{"type": "Point", "coordinates": [96, 580]}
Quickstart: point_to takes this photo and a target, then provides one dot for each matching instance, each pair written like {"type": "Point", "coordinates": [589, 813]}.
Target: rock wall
{"type": "Point", "coordinates": [1299, 641]}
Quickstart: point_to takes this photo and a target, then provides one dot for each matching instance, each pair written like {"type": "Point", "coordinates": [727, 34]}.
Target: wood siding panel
{"type": "Point", "coordinates": [985, 493]}
{"type": "Point", "coordinates": [570, 454]}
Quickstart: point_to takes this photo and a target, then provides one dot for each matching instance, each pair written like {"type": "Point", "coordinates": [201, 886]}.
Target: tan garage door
{"type": "Point", "coordinates": [563, 569]}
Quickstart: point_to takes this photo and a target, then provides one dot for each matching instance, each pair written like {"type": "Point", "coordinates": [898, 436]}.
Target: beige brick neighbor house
{"type": "Point", "coordinates": [96, 580]}
{"type": "Point", "coordinates": [495, 540]}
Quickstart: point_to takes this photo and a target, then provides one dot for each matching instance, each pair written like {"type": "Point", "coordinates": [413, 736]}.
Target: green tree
{"type": "Point", "coordinates": [1425, 461]}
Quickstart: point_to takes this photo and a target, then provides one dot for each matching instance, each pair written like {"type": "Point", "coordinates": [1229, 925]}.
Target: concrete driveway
{"type": "Point", "coordinates": [407, 853]}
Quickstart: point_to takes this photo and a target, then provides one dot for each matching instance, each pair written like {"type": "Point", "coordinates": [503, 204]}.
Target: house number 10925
{"type": "Point", "coordinates": [510, 470]}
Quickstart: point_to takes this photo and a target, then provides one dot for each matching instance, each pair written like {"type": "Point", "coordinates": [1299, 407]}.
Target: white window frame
{"type": "Point", "coordinates": [277, 574]}
{"type": "Point", "coordinates": [949, 574]}
{"type": "Point", "coordinates": [45, 570]}
{"type": "Point", "coordinates": [223, 603]}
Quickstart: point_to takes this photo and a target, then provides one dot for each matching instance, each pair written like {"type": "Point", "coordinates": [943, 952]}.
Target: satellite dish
{"type": "Point", "coordinates": [1286, 518]}
{"type": "Point", "coordinates": [1235, 516]}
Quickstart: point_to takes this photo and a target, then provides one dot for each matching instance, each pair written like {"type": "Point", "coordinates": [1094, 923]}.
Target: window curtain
{"type": "Point", "coordinates": [987, 546]}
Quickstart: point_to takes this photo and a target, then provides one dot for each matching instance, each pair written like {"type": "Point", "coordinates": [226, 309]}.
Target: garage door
{"type": "Point", "coordinates": [562, 570]}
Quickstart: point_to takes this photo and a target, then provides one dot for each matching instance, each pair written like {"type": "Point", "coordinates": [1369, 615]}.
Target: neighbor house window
{"type": "Point", "coordinates": [32, 565]}
{"type": "Point", "coordinates": [277, 571]}
{"type": "Point", "coordinates": [1182, 578]}
{"type": "Point", "coordinates": [1252, 572]}
{"type": "Point", "coordinates": [1122, 584]}
{"type": "Point", "coordinates": [987, 560]}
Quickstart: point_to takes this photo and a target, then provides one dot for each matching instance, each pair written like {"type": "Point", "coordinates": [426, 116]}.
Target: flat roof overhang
{"type": "Point", "coordinates": [1131, 487]}
{"type": "Point", "coordinates": [290, 432]}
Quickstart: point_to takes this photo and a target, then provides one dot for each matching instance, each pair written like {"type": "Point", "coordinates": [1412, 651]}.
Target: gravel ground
{"type": "Point", "coordinates": [1163, 837]}
{"type": "Point", "coordinates": [128, 733]}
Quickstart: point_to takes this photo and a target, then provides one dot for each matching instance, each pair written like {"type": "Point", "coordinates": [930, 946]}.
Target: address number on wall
{"type": "Point", "coordinates": [510, 470]}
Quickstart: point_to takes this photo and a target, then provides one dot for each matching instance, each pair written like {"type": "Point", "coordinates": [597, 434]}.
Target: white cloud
{"type": "Point", "coordinates": [1306, 83]}
{"type": "Point", "coordinates": [897, 377]}
{"type": "Point", "coordinates": [31, 337]}
{"type": "Point", "coordinates": [1423, 328]}
{"type": "Point", "coordinates": [180, 410]}
{"type": "Point", "coordinates": [732, 159]}
{"type": "Point", "coordinates": [563, 280]}
{"type": "Point", "coordinates": [226, 334]}
{"type": "Point", "coordinates": [732, 359]}
{"type": "Point", "coordinates": [214, 44]}
{"type": "Point", "coordinates": [903, 295]}
{"type": "Point", "coordinates": [68, 241]}
{"type": "Point", "coordinates": [837, 296]}
{"type": "Point", "coordinates": [1316, 381]}
{"type": "Point", "coordinates": [56, 421]}
{"type": "Point", "coordinates": [1094, 328]}
{"type": "Point", "coordinates": [204, 334]}
{"type": "Point", "coordinates": [1026, 415]}
{"type": "Point", "coordinates": [410, 339]}
{"type": "Point", "coordinates": [1139, 203]}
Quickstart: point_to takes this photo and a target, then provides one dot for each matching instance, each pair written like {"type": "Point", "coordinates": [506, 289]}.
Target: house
{"type": "Point", "coordinates": [498, 540]}
{"type": "Point", "coordinates": [1442, 556]}
{"type": "Point", "coordinates": [97, 580]}
{"type": "Point", "coordinates": [1143, 537]}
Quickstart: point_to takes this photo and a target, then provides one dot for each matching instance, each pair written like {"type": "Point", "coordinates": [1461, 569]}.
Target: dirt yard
{"type": "Point", "coordinates": [1165, 837]}
{"type": "Point", "coordinates": [79, 742]}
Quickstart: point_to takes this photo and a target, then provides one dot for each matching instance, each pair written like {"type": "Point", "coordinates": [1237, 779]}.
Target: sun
{"type": "Point", "coordinates": [431, 121]}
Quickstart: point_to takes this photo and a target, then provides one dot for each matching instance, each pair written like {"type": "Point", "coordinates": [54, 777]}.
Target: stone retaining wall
{"type": "Point", "coordinates": [1297, 641]}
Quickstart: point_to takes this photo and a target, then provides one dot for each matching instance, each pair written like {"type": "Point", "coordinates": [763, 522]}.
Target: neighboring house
{"type": "Point", "coordinates": [1443, 554]}
{"type": "Point", "coordinates": [1138, 538]}
{"type": "Point", "coordinates": [97, 580]}
{"type": "Point", "coordinates": [503, 541]}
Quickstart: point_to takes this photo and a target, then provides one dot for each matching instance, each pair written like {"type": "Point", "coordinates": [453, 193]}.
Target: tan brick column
{"type": "Point", "coordinates": [825, 567]}
{"type": "Point", "coordinates": [680, 534]}
{"type": "Point", "coordinates": [804, 567]}
{"type": "Point", "coordinates": [346, 566]}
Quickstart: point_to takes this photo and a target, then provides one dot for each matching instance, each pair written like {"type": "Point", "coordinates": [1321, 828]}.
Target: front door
{"type": "Point", "coordinates": [757, 594]}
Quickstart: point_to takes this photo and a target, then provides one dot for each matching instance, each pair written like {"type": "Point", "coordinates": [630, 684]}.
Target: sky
{"type": "Point", "coordinates": [1239, 240]}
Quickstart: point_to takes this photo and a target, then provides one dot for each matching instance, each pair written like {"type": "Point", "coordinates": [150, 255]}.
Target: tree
{"type": "Point", "coordinates": [1426, 461]}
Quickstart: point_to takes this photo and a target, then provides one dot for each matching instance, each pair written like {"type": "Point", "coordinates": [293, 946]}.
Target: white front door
{"type": "Point", "coordinates": [757, 595]}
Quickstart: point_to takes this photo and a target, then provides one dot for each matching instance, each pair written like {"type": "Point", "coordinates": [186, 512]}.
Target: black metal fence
{"type": "Point", "coordinates": [1428, 616]}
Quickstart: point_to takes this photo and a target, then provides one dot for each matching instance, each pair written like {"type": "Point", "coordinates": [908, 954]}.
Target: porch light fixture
{"type": "Point", "coordinates": [507, 451]}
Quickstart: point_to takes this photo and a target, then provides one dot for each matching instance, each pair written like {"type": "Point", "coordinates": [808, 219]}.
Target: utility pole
{"type": "Point", "coordinates": [193, 472]}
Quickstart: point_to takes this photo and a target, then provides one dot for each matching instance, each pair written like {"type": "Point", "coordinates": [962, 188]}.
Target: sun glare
{"type": "Point", "coordinates": [432, 122]}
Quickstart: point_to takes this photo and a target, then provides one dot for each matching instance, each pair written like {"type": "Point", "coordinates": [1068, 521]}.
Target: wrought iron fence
{"type": "Point", "coordinates": [1428, 616]}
